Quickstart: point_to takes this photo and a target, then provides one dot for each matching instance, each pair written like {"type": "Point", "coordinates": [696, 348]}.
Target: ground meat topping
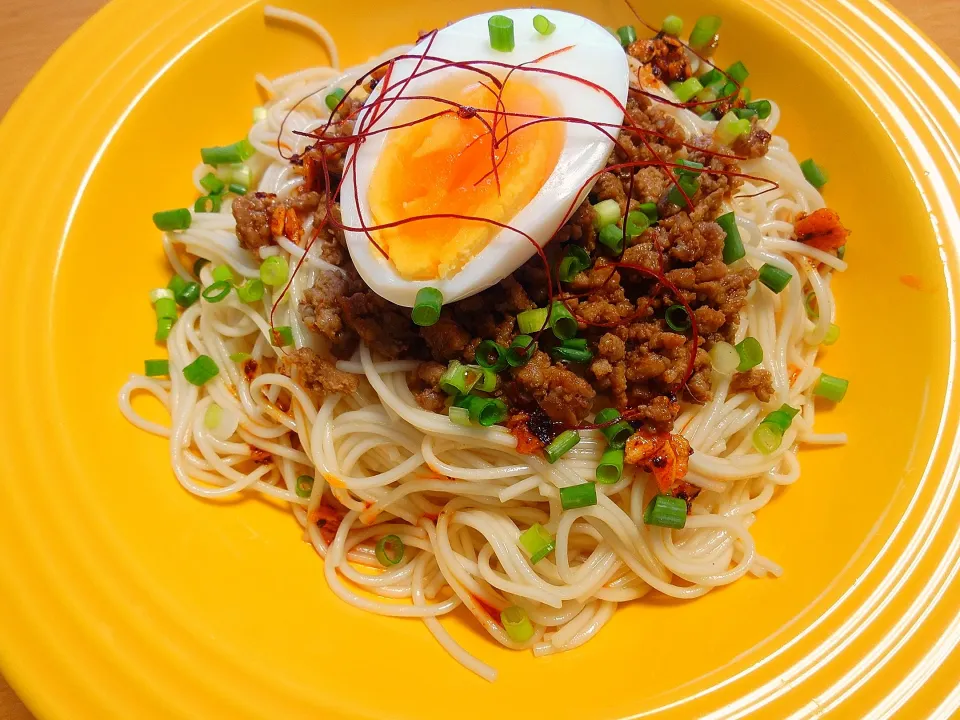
{"type": "Point", "coordinates": [753, 144]}
{"type": "Point", "coordinates": [757, 381]}
{"type": "Point", "coordinates": [666, 56]}
{"type": "Point", "coordinates": [262, 216]}
{"type": "Point", "coordinates": [316, 374]}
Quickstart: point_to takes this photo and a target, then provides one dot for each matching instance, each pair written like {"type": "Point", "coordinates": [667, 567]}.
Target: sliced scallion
{"type": "Point", "coordinates": [516, 624]}
{"type": "Point", "coordinates": [491, 356]}
{"type": "Point", "coordinates": [606, 212]}
{"type": "Point", "coordinates": [561, 445]}
{"type": "Point", "coordinates": [537, 542]}
{"type": "Point", "coordinates": [666, 511]}
{"type": "Point", "coordinates": [617, 433]}
{"type": "Point", "coordinates": [750, 352]}
{"type": "Point", "coordinates": [611, 466]}
{"type": "Point", "coordinates": [426, 307]}
{"type": "Point", "coordinates": [389, 550]}
{"type": "Point", "coordinates": [831, 388]}
{"type": "Point", "coordinates": [500, 28]}
{"type": "Point", "coordinates": [774, 278]}
{"type": "Point", "coordinates": [274, 271]}
{"type": "Point", "coordinates": [169, 220]}
{"type": "Point", "coordinates": [201, 370]}
{"type": "Point", "coordinates": [578, 496]}
{"type": "Point", "coordinates": [677, 318]}
{"type": "Point", "coordinates": [154, 368]}
{"type": "Point", "coordinates": [520, 351]}
{"type": "Point", "coordinates": [227, 154]}
{"type": "Point", "coordinates": [732, 243]}
{"type": "Point", "coordinates": [542, 25]}
{"type": "Point", "coordinates": [304, 486]}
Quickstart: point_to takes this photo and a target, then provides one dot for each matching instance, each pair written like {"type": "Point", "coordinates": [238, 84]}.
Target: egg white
{"type": "Point", "coordinates": [594, 55]}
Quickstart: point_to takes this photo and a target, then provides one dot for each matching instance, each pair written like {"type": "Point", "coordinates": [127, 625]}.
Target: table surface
{"type": "Point", "coordinates": [30, 30]}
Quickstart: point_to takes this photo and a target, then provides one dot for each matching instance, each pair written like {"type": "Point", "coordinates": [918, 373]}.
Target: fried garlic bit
{"type": "Point", "coordinates": [664, 455]}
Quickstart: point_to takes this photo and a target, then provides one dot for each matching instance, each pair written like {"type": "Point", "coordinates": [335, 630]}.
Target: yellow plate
{"type": "Point", "coordinates": [122, 596]}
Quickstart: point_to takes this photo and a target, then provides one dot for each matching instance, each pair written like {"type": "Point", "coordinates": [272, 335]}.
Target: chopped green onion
{"type": "Point", "coordinates": [153, 368]}
{"type": "Point", "coordinates": [251, 291]}
{"type": "Point", "coordinates": [606, 212]}
{"type": "Point", "coordinates": [724, 357]}
{"type": "Point", "coordinates": [575, 260]}
{"type": "Point", "coordinates": [650, 210]}
{"type": "Point", "coordinates": [773, 277]}
{"type": "Point", "coordinates": [767, 438]}
{"type": "Point", "coordinates": [223, 273]}
{"type": "Point", "coordinates": [198, 265]}
{"type": "Point", "coordinates": [713, 76]}
{"type": "Point", "coordinates": [831, 388]}
{"type": "Point", "coordinates": [750, 352]}
{"type": "Point", "coordinates": [213, 417]}
{"type": "Point", "coordinates": [627, 35]}
{"type": "Point", "coordinates": [841, 252]}
{"type": "Point", "coordinates": [561, 445]}
{"type": "Point", "coordinates": [542, 25]}
{"type": "Point", "coordinates": [227, 154]}
{"type": "Point", "coordinates": [500, 28]}
{"type": "Point", "coordinates": [165, 308]}
{"type": "Point", "coordinates": [238, 174]}
{"type": "Point", "coordinates": [810, 305]}
{"type": "Point", "coordinates": [216, 292]}
{"type": "Point", "coordinates": [516, 623]}
{"type": "Point", "coordinates": [426, 307]}
{"type": "Point", "coordinates": [637, 224]}
{"type": "Point", "coordinates": [732, 244]}
{"type": "Point", "coordinates": [188, 295]}
{"type": "Point", "coordinates": [274, 271]}
{"type": "Point", "coordinates": [459, 415]}
{"type": "Point", "coordinates": [562, 322]}
{"type": "Point", "coordinates": [537, 542]}
{"type": "Point", "coordinates": [304, 486]}
{"type": "Point", "coordinates": [239, 357]}
{"type": "Point", "coordinates": [575, 343]}
{"type": "Point", "coordinates": [744, 113]}
{"type": "Point", "coordinates": [704, 31]}
{"type": "Point", "coordinates": [611, 466]}
{"type": "Point", "coordinates": [212, 184]}
{"type": "Point", "coordinates": [176, 284]}
{"type": "Point", "coordinates": [729, 90]}
{"type": "Point", "coordinates": [237, 189]}
{"type": "Point", "coordinates": [531, 321]}
{"type": "Point", "coordinates": [762, 107]}
{"type": "Point", "coordinates": [687, 89]}
{"type": "Point", "coordinates": [730, 128]}
{"type": "Point", "coordinates": [520, 351]}
{"type": "Point", "coordinates": [688, 167]}
{"type": "Point", "coordinates": [484, 411]}
{"type": "Point", "coordinates": [491, 356]}
{"type": "Point", "coordinates": [666, 511]}
{"type": "Point", "coordinates": [611, 237]}
{"type": "Point", "coordinates": [745, 95]}
{"type": "Point", "coordinates": [389, 550]}
{"type": "Point", "coordinates": [282, 336]}
{"type": "Point", "coordinates": [814, 174]}
{"type": "Point", "coordinates": [168, 220]}
{"type": "Point", "coordinates": [207, 204]}
{"type": "Point", "coordinates": [201, 370]}
{"type": "Point", "coordinates": [457, 379]}
{"type": "Point", "coordinates": [160, 293]}
{"type": "Point", "coordinates": [709, 116]}
{"type": "Point", "coordinates": [672, 25]}
{"type": "Point", "coordinates": [783, 417]}
{"type": "Point", "coordinates": [677, 318]}
{"type": "Point", "coordinates": [488, 378]}
{"type": "Point", "coordinates": [707, 96]}
{"type": "Point", "coordinates": [738, 71]}
{"type": "Point", "coordinates": [833, 334]}
{"type": "Point", "coordinates": [616, 434]}
{"type": "Point", "coordinates": [689, 184]}
{"type": "Point", "coordinates": [333, 98]}
{"type": "Point", "coordinates": [578, 496]}
{"type": "Point", "coordinates": [571, 354]}
{"type": "Point", "coordinates": [164, 325]}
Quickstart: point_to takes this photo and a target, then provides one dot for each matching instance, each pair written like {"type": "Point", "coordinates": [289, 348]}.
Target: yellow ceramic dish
{"type": "Point", "coordinates": [122, 596]}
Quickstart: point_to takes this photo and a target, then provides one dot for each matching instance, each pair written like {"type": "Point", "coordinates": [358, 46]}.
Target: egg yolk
{"type": "Point", "coordinates": [444, 165]}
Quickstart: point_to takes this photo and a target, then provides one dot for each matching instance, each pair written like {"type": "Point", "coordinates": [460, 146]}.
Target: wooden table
{"type": "Point", "coordinates": [30, 30]}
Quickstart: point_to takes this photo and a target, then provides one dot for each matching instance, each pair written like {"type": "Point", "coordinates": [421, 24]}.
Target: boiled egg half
{"type": "Point", "coordinates": [424, 172]}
